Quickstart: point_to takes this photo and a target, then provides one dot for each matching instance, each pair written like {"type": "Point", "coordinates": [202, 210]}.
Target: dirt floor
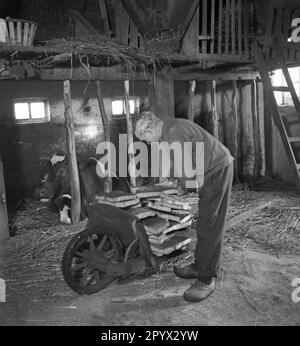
{"type": "Point", "coordinates": [261, 259]}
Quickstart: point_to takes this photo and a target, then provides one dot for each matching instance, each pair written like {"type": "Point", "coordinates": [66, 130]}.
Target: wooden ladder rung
{"type": "Point", "coordinates": [281, 88]}
{"type": "Point", "coordinates": [205, 37]}
{"type": "Point", "coordinates": [291, 114]}
{"type": "Point", "coordinates": [294, 139]}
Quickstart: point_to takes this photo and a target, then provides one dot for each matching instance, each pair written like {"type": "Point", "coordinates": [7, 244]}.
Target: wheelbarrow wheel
{"type": "Point", "coordinates": [85, 259]}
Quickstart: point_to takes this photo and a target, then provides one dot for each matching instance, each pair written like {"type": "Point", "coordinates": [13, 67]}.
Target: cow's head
{"type": "Point", "coordinates": [56, 180]}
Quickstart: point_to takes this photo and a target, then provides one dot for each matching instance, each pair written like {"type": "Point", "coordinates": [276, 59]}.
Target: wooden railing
{"type": "Point", "coordinates": [221, 29]}
{"type": "Point", "coordinates": [224, 29]}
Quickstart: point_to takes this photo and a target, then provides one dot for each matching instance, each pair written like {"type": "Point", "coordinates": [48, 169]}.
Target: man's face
{"type": "Point", "coordinates": [146, 132]}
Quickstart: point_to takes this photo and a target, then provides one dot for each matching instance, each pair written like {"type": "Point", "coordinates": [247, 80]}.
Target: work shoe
{"type": "Point", "coordinates": [187, 272]}
{"type": "Point", "coordinates": [199, 291]}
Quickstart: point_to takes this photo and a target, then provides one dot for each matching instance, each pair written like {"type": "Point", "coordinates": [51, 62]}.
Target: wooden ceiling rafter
{"type": "Point", "coordinates": [132, 8]}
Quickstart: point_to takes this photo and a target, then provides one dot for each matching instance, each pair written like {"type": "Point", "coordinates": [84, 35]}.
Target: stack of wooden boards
{"type": "Point", "coordinates": [165, 216]}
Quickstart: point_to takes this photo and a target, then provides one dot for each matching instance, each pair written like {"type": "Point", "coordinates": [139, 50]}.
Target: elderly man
{"type": "Point", "coordinates": [214, 196]}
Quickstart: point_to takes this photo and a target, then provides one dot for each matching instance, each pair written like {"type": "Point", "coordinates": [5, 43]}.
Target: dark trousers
{"type": "Point", "coordinates": [214, 198]}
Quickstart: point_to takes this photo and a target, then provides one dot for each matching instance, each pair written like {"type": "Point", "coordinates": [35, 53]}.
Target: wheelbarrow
{"type": "Point", "coordinates": [114, 244]}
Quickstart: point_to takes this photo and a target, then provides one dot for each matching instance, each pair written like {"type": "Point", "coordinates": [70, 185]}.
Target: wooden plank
{"type": "Point", "coordinates": [227, 26]}
{"type": "Point", "coordinates": [256, 133]}
{"type": "Point", "coordinates": [25, 34]}
{"type": "Point", "coordinates": [260, 125]}
{"type": "Point", "coordinates": [12, 37]}
{"type": "Point", "coordinates": [190, 100]}
{"type": "Point", "coordinates": [204, 25]}
{"type": "Point", "coordinates": [233, 27]}
{"type": "Point", "coordinates": [104, 16]}
{"type": "Point", "coordinates": [4, 230]}
{"type": "Point", "coordinates": [240, 31]}
{"type": "Point", "coordinates": [19, 33]}
{"type": "Point", "coordinates": [134, 35]}
{"type": "Point", "coordinates": [214, 112]}
{"type": "Point", "coordinates": [131, 166]}
{"type": "Point", "coordinates": [106, 129]}
{"type": "Point", "coordinates": [246, 26]}
{"type": "Point", "coordinates": [190, 43]}
{"type": "Point", "coordinates": [212, 27]}
{"type": "Point", "coordinates": [31, 33]}
{"type": "Point", "coordinates": [220, 32]}
{"type": "Point", "coordinates": [71, 154]}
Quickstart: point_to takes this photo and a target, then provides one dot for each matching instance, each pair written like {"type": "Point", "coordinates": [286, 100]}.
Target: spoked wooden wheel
{"type": "Point", "coordinates": [85, 259]}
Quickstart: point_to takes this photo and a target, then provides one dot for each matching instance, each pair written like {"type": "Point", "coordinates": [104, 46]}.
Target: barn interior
{"type": "Point", "coordinates": [231, 66]}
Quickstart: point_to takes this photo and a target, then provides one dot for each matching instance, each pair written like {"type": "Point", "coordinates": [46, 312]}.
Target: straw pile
{"type": "Point", "coordinates": [40, 242]}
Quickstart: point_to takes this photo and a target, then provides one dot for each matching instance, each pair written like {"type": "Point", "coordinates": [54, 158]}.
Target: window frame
{"type": "Point", "coordinates": [31, 120]}
{"type": "Point", "coordinates": [122, 98]}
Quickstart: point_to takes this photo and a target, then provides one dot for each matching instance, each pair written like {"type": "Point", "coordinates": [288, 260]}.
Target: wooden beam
{"type": "Point", "coordinates": [106, 129]}
{"type": "Point", "coordinates": [94, 73]}
{"type": "Point", "coordinates": [218, 76]}
{"type": "Point", "coordinates": [71, 152]}
{"type": "Point", "coordinates": [129, 136]}
{"type": "Point", "coordinates": [87, 25]}
{"type": "Point", "coordinates": [190, 100]}
{"type": "Point", "coordinates": [135, 15]}
{"type": "Point", "coordinates": [189, 16]}
{"type": "Point", "coordinates": [4, 231]}
{"type": "Point", "coordinates": [104, 15]}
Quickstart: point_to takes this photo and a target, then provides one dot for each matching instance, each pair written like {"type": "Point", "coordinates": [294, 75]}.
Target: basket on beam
{"type": "Point", "coordinates": [17, 31]}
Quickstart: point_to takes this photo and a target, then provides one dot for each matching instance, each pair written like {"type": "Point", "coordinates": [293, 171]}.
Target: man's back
{"type": "Point", "coordinates": [216, 155]}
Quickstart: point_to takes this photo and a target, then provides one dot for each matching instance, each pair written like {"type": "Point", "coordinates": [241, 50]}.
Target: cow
{"type": "Point", "coordinates": [56, 188]}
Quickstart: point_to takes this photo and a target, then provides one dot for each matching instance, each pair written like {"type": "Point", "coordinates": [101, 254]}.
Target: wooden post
{"type": "Point", "coordinates": [164, 95]}
{"type": "Point", "coordinates": [4, 231]}
{"type": "Point", "coordinates": [247, 130]}
{"type": "Point", "coordinates": [214, 113]}
{"type": "Point", "coordinates": [190, 100]}
{"type": "Point", "coordinates": [256, 134]}
{"type": "Point", "coordinates": [71, 152]}
{"type": "Point", "coordinates": [268, 125]}
{"type": "Point", "coordinates": [129, 136]}
{"type": "Point", "coordinates": [236, 127]}
{"type": "Point", "coordinates": [108, 181]}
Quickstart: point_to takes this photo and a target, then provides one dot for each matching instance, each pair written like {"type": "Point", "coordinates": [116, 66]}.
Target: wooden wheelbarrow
{"type": "Point", "coordinates": [113, 245]}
